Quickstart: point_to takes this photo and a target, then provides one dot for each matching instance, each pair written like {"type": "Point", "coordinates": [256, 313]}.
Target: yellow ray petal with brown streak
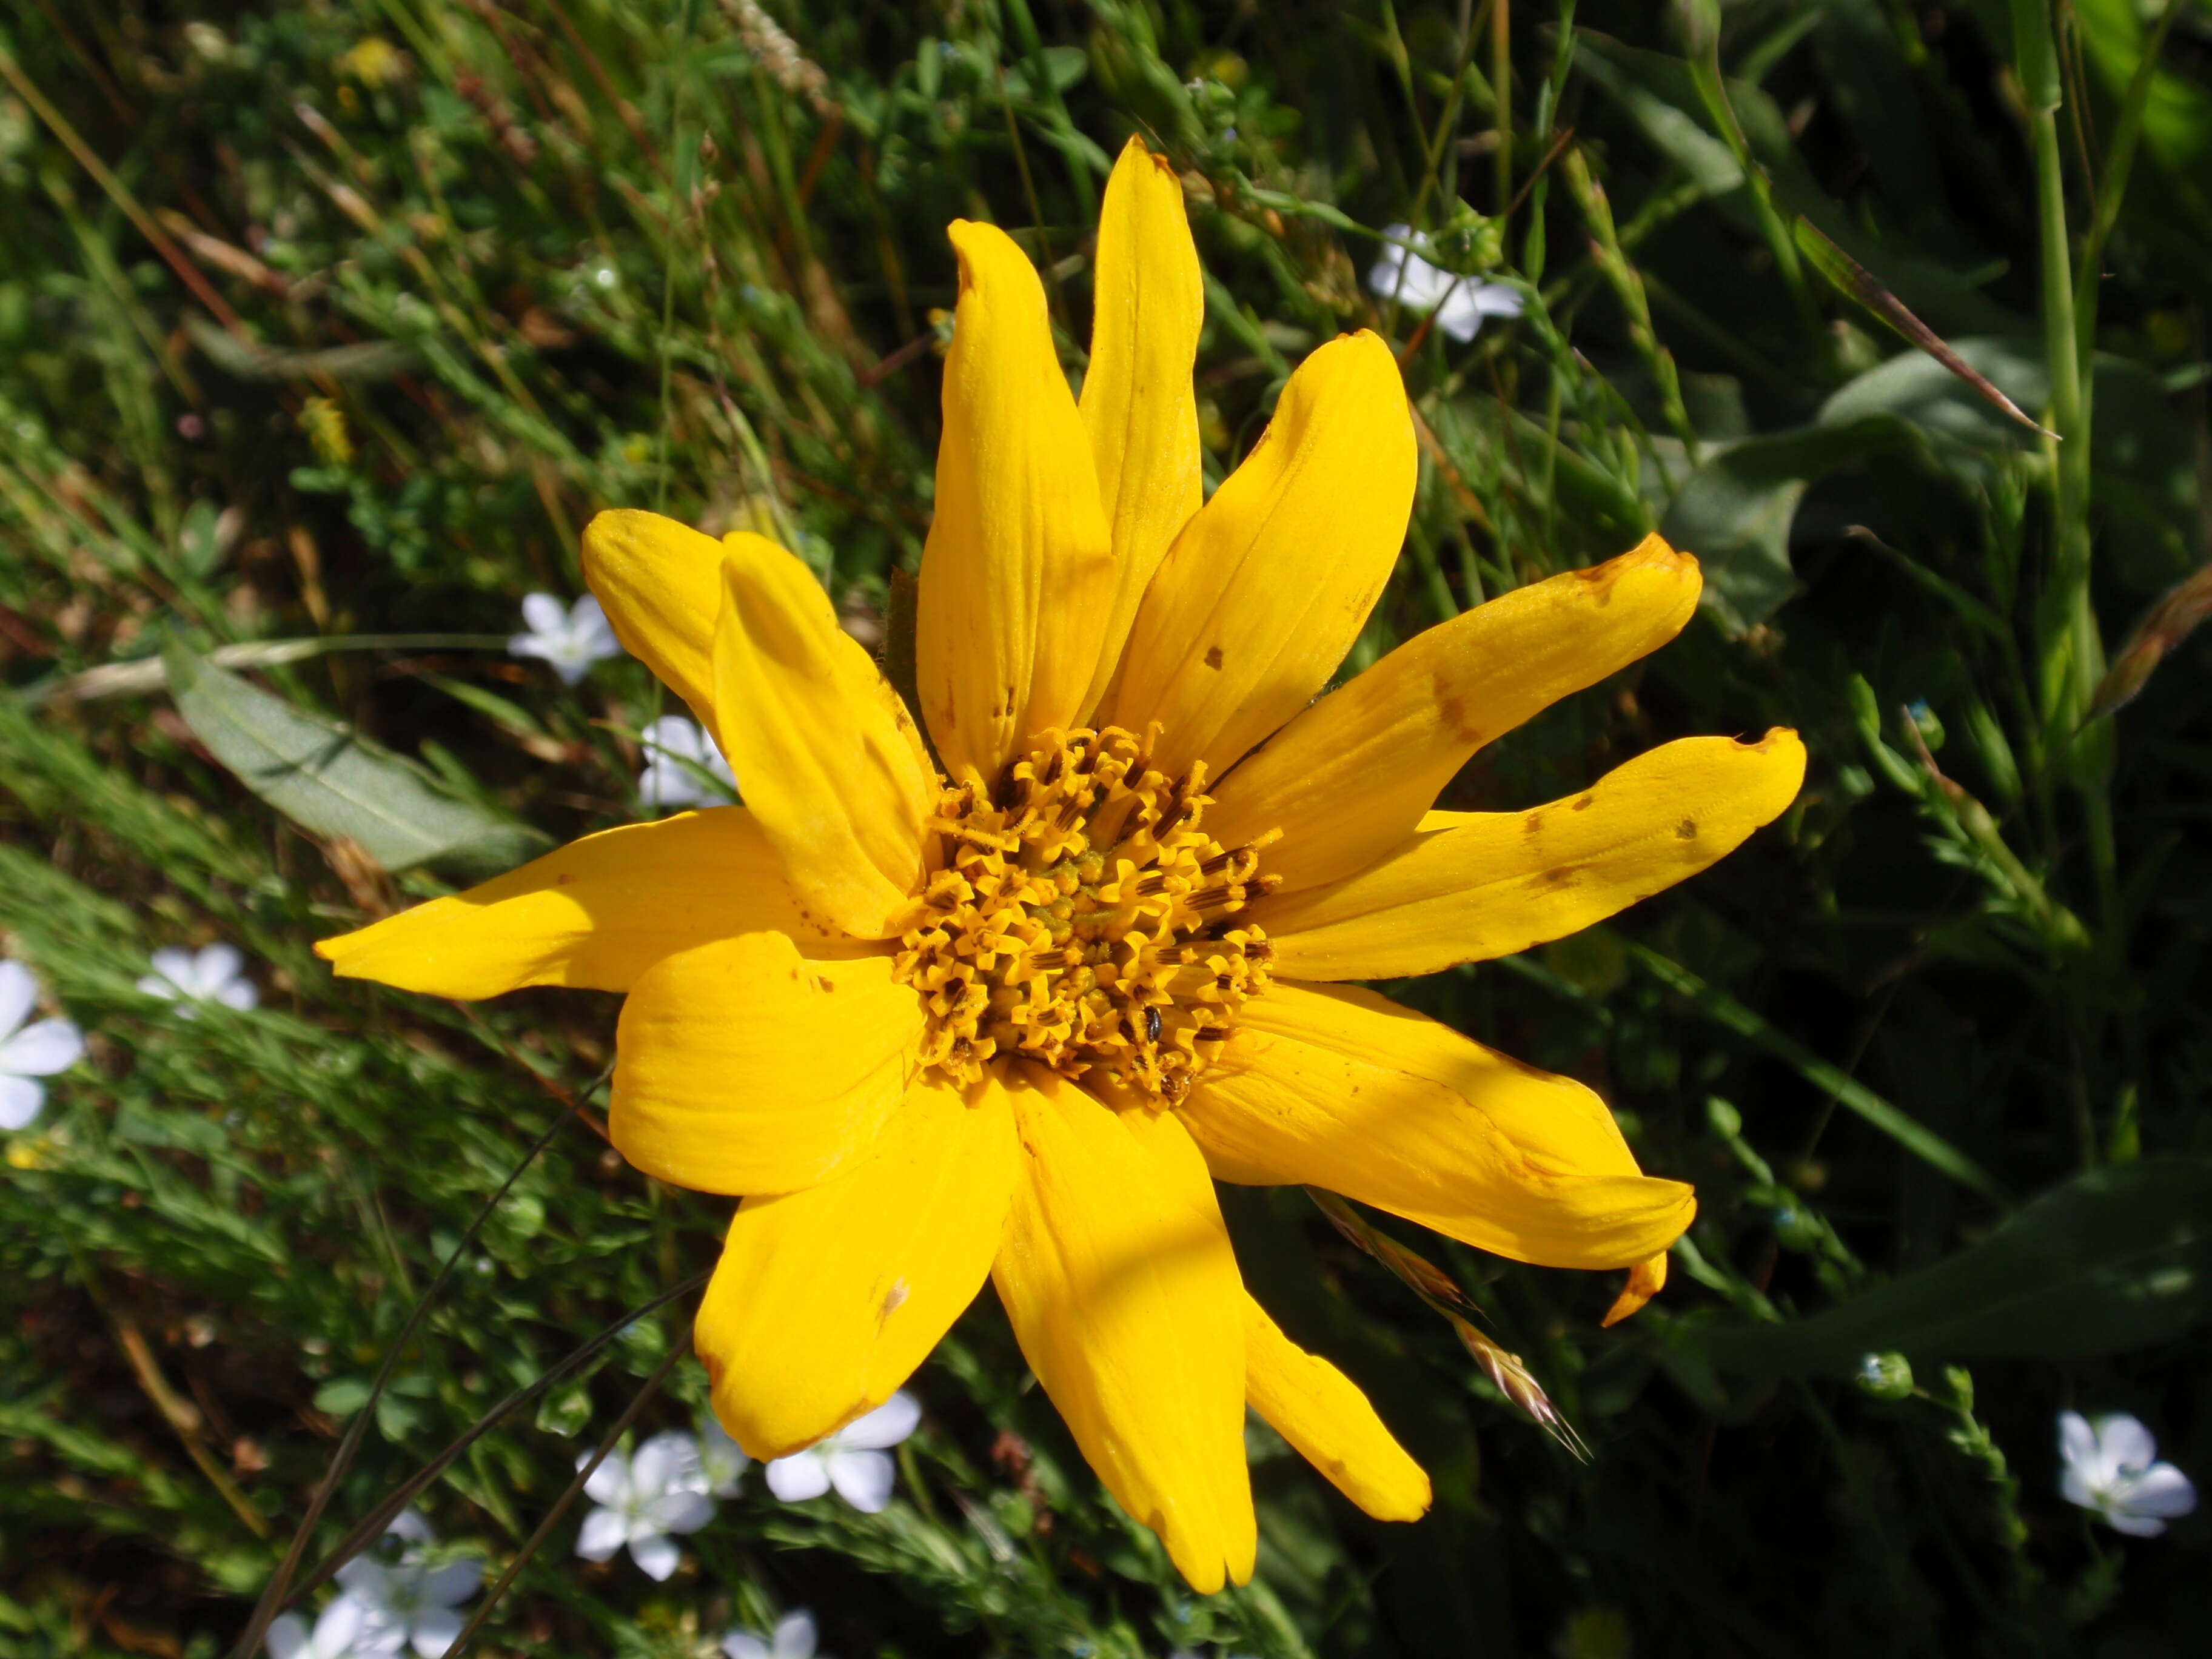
{"type": "Point", "coordinates": [1349, 778]}
{"type": "Point", "coordinates": [1472, 886]}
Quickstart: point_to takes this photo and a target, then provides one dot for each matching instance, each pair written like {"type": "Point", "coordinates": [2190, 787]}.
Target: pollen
{"type": "Point", "coordinates": [1078, 915]}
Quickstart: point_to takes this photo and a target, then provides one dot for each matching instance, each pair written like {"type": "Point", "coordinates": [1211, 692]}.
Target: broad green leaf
{"type": "Point", "coordinates": [1735, 511]}
{"type": "Point", "coordinates": [2117, 1258]}
{"type": "Point", "coordinates": [327, 778]}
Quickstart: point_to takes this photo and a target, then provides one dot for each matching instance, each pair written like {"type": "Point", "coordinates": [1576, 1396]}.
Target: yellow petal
{"type": "Point", "coordinates": [594, 914]}
{"type": "Point", "coordinates": [826, 1300]}
{"type": "Point", "coordinates": [827, 756]}
{"type": "Point", "coordinates": [1350, 778]}
{"type": "Point", "coordinates": [1342, 1089]}
{"type": "Point", "coordinates": [742, 1067]}
{"type": "Point", "coordinates": [660, 584]}
{"type": "Point", "coordinates": [1321, 1412]}
{"type": "Point", "coordinates": [1018, 577]}
{"type": "Point", "coordinates": [1148, 300]}
{"type": "Point", "coordinates": [1645, 1280]}
{"type": "Point", "coordinates": [1117, 1275]}
{"type": "Point", "coordinates": [1267, 588]}
{"type": "Point", "coordinates": [1470, 886]}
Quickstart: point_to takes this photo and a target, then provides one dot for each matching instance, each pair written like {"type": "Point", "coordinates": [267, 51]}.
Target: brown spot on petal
{"type": "Point", "coordinates": [1686, 830]}
{"type": "Point", "coordinates": [1585, 803]}
{"type": "Point", "coordinates": [1213, 657]}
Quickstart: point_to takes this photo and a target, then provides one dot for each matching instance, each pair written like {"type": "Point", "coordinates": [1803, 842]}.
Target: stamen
{"type": "Point", "coordinates": [1082, 920]}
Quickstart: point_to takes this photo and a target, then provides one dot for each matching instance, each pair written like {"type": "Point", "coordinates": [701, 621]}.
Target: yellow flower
{"type": "Point", "coordinates": [1014, 1017]}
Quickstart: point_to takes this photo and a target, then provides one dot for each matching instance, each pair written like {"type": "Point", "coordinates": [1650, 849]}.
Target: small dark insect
{"type": "Point", "coordinates": [1152, 1024]}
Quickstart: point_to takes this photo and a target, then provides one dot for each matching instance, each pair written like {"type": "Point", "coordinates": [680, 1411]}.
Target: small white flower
{"type": "Point", "coordinates": [570, 640]}
{"type": "Point", "coordinates": [2111, 1466]}
{"type": "Point", "coordinates": [338, 1633]}
{"type": "Point", "coordinates": [721, 1457]}
{"type": "Point", "coordinates": [854, 1460]}
{"type": "Point", "coordinates": [669, 742]}
{"type": "Point", "coordinates": [411, 1604]}
{"type": "Point", "coordinates": [1460, 302]}
{"type": "Point", "coordinates": [217, 974]}
{"type": "Point", "coordinates": [794, 1639]}
{"type": "Point", "coordinates": [30, 1052]}
{"type": "Point", "coordinates": [643, 1499]}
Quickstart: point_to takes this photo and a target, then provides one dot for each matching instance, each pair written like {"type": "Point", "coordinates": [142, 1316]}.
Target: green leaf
{"type": "Point", "coordinates": [2117, 1258]}
{"type": "Point", "coordinates": [328, 779]}
{"type": "Point", "coordinates": [1735, 511]}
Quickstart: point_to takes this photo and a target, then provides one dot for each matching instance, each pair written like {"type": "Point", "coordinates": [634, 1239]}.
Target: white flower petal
{"type": "Point", "coordinates": [216, 967]}
{"type": "Point", "coordinates": [21, 1102]}
{"type": "Point", "coordinates": [2077, 1445]}
{"type": "Point", "coordinates": [662, 783]}
{"type": "Point", "coordinates": [1495, 300]}
{"type": "Point", "coordinates": [2073, 1487]}
{"type": "Point", "coordinates": [18, 994]}
{"type": "Point", "coordinates": [743, 1644]}
{"type": "Point", "coordinates": [678, 1512]}
{"type": "Point", "coordinates": [2160, 1490]}
{"type": "Point", "coordinates": [2135, 1526]}
{"type": "Point", "coordinates": [528, 645]}
{"type": "Point", "coordinates": [174, 965]}
{"type": "Point", "coordinates": [888, 1423]}
{"type": "Point", "coordinates": [240, 994]}
{"type": "Point", "coordinates": [287, 1637]}
{"type": "Point", "coordinates": [367, 1582]}
{"type": "Point", "coordinates": [610, 1483]}
{"type": "Point", "coordinates": [655, 1553]}
{"type": "Point", "coordinates": [604, 1532]}
{"type": "Point", "coordinates": [671, 734]}
{"type": "Point", "coordinates": [40, 1050]}
{"type": "Point", "coordinates": [453, 1583]}
{"type": "Point", "coordinates": [863, 1479]}
{"type": "Point", "coordinates": [794, 1636]}
{"type": "Point", "coordinates": [2124, 1446]}
{"type": "Point", "coordinates": [799, 1477]}
{"type": "Point", "coordinates": [343, 1623]}
{"type": "Point", "coordinates": [410, 1527]}
{"type": "Point", "coordinates": [721, 1457]}
{"type": "Point", "coordinates": [544, 614]}
{"type": "Point", "coordinates": [435, 1630]}
{"type": "Point", "coordinates": [667, 1462]}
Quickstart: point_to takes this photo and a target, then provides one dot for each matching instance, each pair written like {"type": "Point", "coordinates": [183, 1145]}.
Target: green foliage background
{"type": "Point", "coordinates": [332, 323]}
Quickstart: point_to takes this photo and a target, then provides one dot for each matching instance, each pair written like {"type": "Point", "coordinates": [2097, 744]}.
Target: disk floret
{"type": "Point", "coordinates": [1079, 916]}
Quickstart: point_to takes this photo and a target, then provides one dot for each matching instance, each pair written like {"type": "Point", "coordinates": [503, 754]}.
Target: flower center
{"type": "Point", "coordinates": [1080, 917]}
